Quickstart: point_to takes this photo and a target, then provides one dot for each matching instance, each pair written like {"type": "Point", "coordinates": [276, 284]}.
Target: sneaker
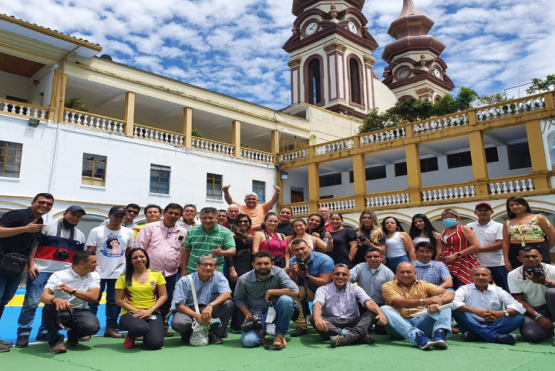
{"type": "Point", "coordinates": [129, 342]}
{"type": "Point", "coordinates": [111, 332]}
{"type": "Point", "coordinates": [470, 336]}
{"type": "Point", "coordinates": [168, 334]}
{"type": "Point", "coordinates": [237, 331]}
{"type": "Point", "coordinates": [58, 348]}
{"type": "Point", "coordinates": [85, 338]}
{"type": "Point", "coordinates": [423, 342]}
{"type": "Point", "coordinates": [72, 343]}
{"type": "Point", "coordinates": [368, 339]}
{"type": "Point", "coordinates": [439, 339]}
{"type": "Point", "coordinates": [6, 343]}
{"type": "Point", "coordinates": [22, 341]}
{"type": "Point", "coordinates": [279, 341]}
{"type": "Point", "coordinates": [337, 341]}
{"type": "Point", "coordinates": [214, 339]}
{"type": "Point", "coordinates": [42, 337]}
{"type": "Point", "coordinates": [5, 348]}
{"type": "Point", "coordinates": [509, 339]}
{"type": "Point", "coordinates": [299, 331]}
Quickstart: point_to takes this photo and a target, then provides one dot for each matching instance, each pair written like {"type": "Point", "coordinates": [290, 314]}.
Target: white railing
{"type": "Point", "coordinates": [23, 109]}
{"type": "Point", "coordinates": [259, 156]}
{"type": "Point", "coordinates": [295, 155]}
{"type": "Point", "coordinates": [399, 199]}
{"type": "Point", "coordinates": [441, 123]}
{"type": "Point", "coordinates": [93, 121]}
{"type": "Point", "coordinates": [339, 205]}
{"type": "Point", "coordinates": [511, 108]}
{"type": "Point", "coordinates": [212, 146]}
{"type": "Point", "coordinates": [448, 193]}
{"type": "Point", "coordinates": [334, 147]}
{"type": "Point", "coordinates": [511, 186]}
{"type": "Point", "coordinates": [149, 133]}
{"type": "Point", "coordinates": [382, 136]}
{"type": "Point", "coordinates": [301, 209]}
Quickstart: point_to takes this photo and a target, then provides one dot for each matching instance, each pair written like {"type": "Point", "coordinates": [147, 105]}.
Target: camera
{"type": "Point", "coordinates": [254, 324]}
{"type": "Point", "coordinates": [301, 265]}
{"type": "Point", "coordinates": [536, 272]}
{"type": "Point", "coordinates": [65, 317]}
{"type": "Point", "coordinates": [363, 238]}
{"type": "Point", "coordinates": [278, 260]}
{"type": "Point", "coordinates": [61, 254]}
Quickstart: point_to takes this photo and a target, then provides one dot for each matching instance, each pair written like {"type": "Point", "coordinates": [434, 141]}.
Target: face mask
{"type": "Point", "coordinates": [68, 225]}
{"type": "Point", "coordinates": [420, 264]}
{"type": "Point", "coordinates": [450, 222]}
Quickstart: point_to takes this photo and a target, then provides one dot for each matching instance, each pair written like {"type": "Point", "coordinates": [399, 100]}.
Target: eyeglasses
{"type": "Point", "coordinates": [45, 203]}
{"type": "Point", "coordinates": [243, 222]}
{"type": "Point", "coordinates": [207, 265]}
{"type": "Point", "coordinates": [133, 212]}
{"type": "Point", "coordinates": [340, 274]}
{"type": "Point", "coordinates": [373, 257]}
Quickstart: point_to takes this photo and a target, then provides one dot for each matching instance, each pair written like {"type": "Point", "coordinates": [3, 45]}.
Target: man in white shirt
{"type": "Point", "coordinates": [533, 285]}
{"type": "Point", "coordinates": [66, 296]}
{"type": "Point", "coordinates": [478, 309]}
{"type": "Point", "coordinates": [109, 242]}
{"type": "Point", "coordinates": [131, 212]}
{"type": "Point", "coordinates": [490, 236]}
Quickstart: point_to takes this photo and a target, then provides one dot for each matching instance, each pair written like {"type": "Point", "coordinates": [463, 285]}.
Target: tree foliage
{"type": "Point", "coordinates": [486, 100]}
{"type": "Point", "coordinates": [76, 104]}
{"type": "Point", "coordinates": [539, 85]}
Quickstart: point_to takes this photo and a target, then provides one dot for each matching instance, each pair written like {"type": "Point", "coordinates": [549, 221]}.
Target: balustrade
{"type": "Point", "coordinates": [93, 121]}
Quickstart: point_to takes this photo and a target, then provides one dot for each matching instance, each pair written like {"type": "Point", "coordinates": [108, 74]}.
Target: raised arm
{"type": "Point", "coordinates": [227, 196]}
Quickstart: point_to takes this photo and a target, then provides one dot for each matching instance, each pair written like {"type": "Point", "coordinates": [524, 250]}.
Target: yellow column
{"type": "Point", "coordinates": [414, 177]}
{"type": "Point", "coordinates": [61, 97]}
{"type": "Point", "coordinates": [549, 100]}
{"type": "Point", "coordinates": [275, 145]}
{"type": "Point", "coordinates": [188, 127]}
{"type": "Point", "coordinates": [52, 107]}
{"type": "Point", "coordinates": [129, 116]}
{"type": "Point", "coordinates": [313, 187]}
{"type": "Point", "coordinates": [479, 163]}
{"type": "Point", "coordinates": [537, 154]}
{"type": "Point", "coordinates": [236, 138]}
{"type": "Point", "coordinates": [359, 175]}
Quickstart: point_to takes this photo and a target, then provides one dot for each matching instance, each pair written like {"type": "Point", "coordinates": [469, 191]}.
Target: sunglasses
{"type": "Point", "coordinates": [340, 274]}
{"type": "Point", "coordinates": [45, 203]}
{"type": "Point", "coordinates": [243, 222]}
{"type": "Point", "coordinates": [133, 212]}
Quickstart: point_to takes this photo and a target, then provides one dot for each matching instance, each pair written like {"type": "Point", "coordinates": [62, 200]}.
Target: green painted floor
{"type": "Point", "coordinates": [306, 353]}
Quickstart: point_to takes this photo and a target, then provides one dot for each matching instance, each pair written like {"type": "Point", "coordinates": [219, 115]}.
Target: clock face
{"type": "Point", "coordinates": [403, 74]}
{"type": "Point", "coordinates": [353, 27]}
{"type": "Point", "coordinates": [311, 28]}
{"type": "Point", "coordinates": [437, 73]}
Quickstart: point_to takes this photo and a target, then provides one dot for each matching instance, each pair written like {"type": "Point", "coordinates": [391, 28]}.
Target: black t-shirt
{"type": "Point", "coordinates": [341, 246]}
{"type": "Point", "coordinates": [20, 243]}
{"type": "Point", "coordinates": [286, 229]}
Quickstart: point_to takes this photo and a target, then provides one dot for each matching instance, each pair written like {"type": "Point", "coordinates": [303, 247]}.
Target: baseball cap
{"type": "Point", "coordinates": [117, 210]}
{"type": "Point", "coordinates": [486, 204]}
{"type": "Point", "coordinates": [75, 208]}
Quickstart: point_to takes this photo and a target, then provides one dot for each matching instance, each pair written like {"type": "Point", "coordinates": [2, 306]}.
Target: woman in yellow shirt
{"type": "Point", "coordinates": [140, 292]}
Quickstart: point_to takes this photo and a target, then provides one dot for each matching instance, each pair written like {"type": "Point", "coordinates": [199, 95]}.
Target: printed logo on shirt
{"type": "Point", "coordinates": [152, 283]}
{"type": "Point", "coordinates": [114, 247]}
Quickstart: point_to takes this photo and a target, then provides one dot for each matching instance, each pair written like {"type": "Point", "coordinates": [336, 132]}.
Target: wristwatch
{"type": "Point", "coordinates": [506, 313]}
{"type": "Point", "coordinates": [73, 292]}
{"type": "Point", "coordinates": [547, 283]}
{"type": "Point", "coordinates": [459, 254]}
{"type": "Point", "coordinates": [421, 301]}
{"type": "Point", "coordinates": [211, 304]}
{"type": "Point", "coordinates": [537, 316]}
{"type": "Point", "coordinates": [154, 309]}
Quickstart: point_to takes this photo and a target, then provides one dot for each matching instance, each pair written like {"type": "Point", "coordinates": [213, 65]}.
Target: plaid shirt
{"type": "Point", "coordinates": [434, 273]}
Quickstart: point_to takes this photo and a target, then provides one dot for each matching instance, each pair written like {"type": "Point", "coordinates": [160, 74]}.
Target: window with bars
{"type": "Point", "coordinates": [213, 186]}
{"type": "Point", "coordinates": [259, 188]}
{"type": "Point", "coordinates": [94, 170]}
{"type": "Point", "coordinates": [160, 179]}
{"type": "Point", "coordinates": [10, 159]}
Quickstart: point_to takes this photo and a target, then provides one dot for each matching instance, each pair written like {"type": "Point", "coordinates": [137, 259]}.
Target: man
{"type": "Point", "coordinates": [309, 270]}
{"type": "Point", "coordinates": [131, 212]}
{"type": "Point", "coordinates": [285, 226]}
{"type": "Point", "coordinates": [324, 212]}
{"type": "Point", "coordinates": [18, 232]}
{"type": "Point", "coordinates": [58, 243]}
{"type": "Point", "coordinates": [259, 288]}
{"type": "Point", "coordinates": [208, 237]}
{"type": "Point", "coordinates": [65, 296]}
{"type": "Point", "coordinates": [431, 271]}
{"type": "Point", "coordinates": [153, 213]}
{"type": "Point", "coordinates": [405, 297]}
{"type": "Point", "coordinates": [109, 243]}
{"type": "Point", "coordinates": [490, 236]}
{"type": "Point", "coordinates": [213, 299]}
{"type": "Point", "coordinates": [222, 216]}
{"type": "Point", "coordinates": [162, 241]}
{"type": "Point", "coordinates": [533, 285]}
{"type": "Point", "coordinates": [189, 215]}
{"type": "Point", "coordinates": [336, 314]}
{"type": "Point", "coordinates": [232, 213]}
{"type": "Point", "coordinates": [251, 207]}
{"type": "Point", "coordinates": [478, 310]}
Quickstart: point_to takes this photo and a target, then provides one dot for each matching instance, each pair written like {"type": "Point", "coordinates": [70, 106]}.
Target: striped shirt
{"type": "Point", "coordinates": [453, 243]}
{"type": "Point", "coordinates": [199, 242]}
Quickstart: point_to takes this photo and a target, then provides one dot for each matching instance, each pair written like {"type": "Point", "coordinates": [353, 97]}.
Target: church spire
{"type": "Point", "coordinates": [411, 22]}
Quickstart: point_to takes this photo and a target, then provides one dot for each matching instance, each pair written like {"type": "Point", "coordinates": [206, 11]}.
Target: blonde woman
{"type": "Point", "coordinates": [370, 234]}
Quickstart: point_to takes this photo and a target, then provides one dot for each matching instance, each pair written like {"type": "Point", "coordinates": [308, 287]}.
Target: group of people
{"type": "Point", "coordinates": [257, 271]}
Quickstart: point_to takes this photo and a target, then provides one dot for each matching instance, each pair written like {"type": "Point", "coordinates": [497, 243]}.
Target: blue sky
{"type": "Point", "coordinates": [234, 46]}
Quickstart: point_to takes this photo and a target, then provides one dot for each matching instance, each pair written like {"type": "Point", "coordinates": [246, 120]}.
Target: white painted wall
{"type": "Point", "coordinates": [14, 85]}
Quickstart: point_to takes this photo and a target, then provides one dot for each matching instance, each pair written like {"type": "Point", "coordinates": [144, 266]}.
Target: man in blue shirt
{"type": "Point", "coordinates": [309, 270]}
{"type": "Point", "coordinates": [213, 297]}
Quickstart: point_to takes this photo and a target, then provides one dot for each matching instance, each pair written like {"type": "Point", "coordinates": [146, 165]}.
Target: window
{"type": "Point", "coordinates": [160, 179]}
{"type": "Point", "coordinates": [94, 170]}
{"type": "Point", "coordinates": [297, 194]}
{"type": "Point", "coordinates": [460, 159]}
{"type": "Point", "coordinates": [213, 186]}
{"type": "Point", "coordinates": [372, 173]}
{"type": "Point", "coordinates": [314, 76]}
{"type": "Point", "coordinates": [492, 155]}
{"type": "Point", "coordinates": [428, 164]}
{"type": "Point", "coordinates": [400, 169]}
{"type": "Point", "coordinates": [330, 180]}
{"type": "Point", "coordinates": [259, 188]}
{"type": "Point", "coordinates": [354, 74]}
{"type": "Point", "coordinates": [10, 159]}
{"type": "Point", "coordinates": [519, 156]}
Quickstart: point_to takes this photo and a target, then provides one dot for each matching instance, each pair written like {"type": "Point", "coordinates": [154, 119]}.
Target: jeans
{"type": "Point", "coordinates": [284, 307]}
{"type": "Point", "coordinates": [167, 306]}
{"type": "Point", "coordinates": [30, 304]}
{"type": "Point", "coordinates": [499, 275]}
{"type": "Point", "coordinates": [487, 330]}
{"type": "Point", "coordinates": [353, 329]}
{"type": "Point", "coordinates": [392, 263]}
{"type": "Point", "coordinates": [8, 288]}
{"type": "Point", "coordinates": [531, 331]}
{"type": "Point", "coordinates": [112, 310]}
{"type": "Point", "coordinates": [83, 323]}
{"type": "Point", "coordinates": [399, 327]}
{"type": "Point", "coordinates": [151, 330]}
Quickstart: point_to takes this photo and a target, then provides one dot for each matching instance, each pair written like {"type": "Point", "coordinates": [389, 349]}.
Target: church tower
{"type": "Point", "coordinates": [331, 56]}
{"type": "Point", "coordinates": [415, 68]}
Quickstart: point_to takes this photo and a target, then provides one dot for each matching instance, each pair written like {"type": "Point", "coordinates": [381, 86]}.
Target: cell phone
{"type": "Point", "coordinates": [152, 317]}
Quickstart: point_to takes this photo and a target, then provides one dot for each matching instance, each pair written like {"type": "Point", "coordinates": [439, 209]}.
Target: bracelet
{"type": "Point", "coordinates": [278, 192]}
{"type": "Point", "coordinates": [537, 316]}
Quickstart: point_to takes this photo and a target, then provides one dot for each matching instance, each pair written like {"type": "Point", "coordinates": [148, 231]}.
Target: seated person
{"type": "Point", "coordinates": [65, 299]}
{"type": "Point", "coordinates": [407, 296]}
{"type": "Point", "coordinates": [478, 309]}
{"type": "Point", "coordinates": [533, 285]}
{"type": "Point", "coordinates": [213, 298]}
{"type": "Point", "coordinates": [259, 288]}
{"type": "Point", "coordinates": [309, 270]}
{"type": "Point", "coordinates": [140, 292]}
{"type": "Point", "coordinates": [336, 314]}
{"type": "Point", "coordinates": [431, 271]}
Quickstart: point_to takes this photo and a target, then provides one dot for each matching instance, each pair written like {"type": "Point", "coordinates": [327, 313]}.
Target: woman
{"type": "Point", "coordinates": [269, 240]}
{"type": "Point", "coordinates": [398, 244]}
{"type": "Point", "coordinates": [458, 248]}
{"type": "Point", "coordinates": [525, 229]}
{"type": "Point", "coordinates": [345, 243]}
{"type": "Point", "coordinates": [370, 234]}
{"type": "Point", "coordinates": [316, 226]}
{"type": "Point", "coordinates": [421, 229]}
{"type": "Point", "coordinates": [241, 263]}
{"type": "Point", "coordinates": [140, 292]}
{"type": "Point", "coordinates": [315, 243]}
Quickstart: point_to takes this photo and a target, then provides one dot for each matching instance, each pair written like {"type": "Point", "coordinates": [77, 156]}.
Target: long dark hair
{"type": "Point", "coordinates": [399, 228]}
{"type": "Point", "coordinates": [321, 230]}
{"type": "Point", "coordinates": [129, 268]}
{"type": "Point", "coordinates": [428, 229]}
{"type": "Point", "coordinates": [246, 237]}
{"type": "Point", "coordinates": [518, 200]}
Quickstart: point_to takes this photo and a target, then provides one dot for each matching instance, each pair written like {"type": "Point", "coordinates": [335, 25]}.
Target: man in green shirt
{"type": "Point", "coordinates": [207, 238]}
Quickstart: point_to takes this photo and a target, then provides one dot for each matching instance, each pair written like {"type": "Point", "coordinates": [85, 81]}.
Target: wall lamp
{"type": "Point", "coordinates": [284, 175]}
{"type": "Point", "coordinates": [33, 122]}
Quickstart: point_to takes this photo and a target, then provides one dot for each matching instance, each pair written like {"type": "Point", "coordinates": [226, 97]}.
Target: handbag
{"type": "Point", "coordinates": [12, 265]}
{"type": "Point", "coordinates": [199, 337]}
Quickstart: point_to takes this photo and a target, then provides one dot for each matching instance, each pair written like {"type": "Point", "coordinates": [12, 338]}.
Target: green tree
{"type": "Point", "coordinates": [466, 98]}
{"type": "Point", "coordinates": [486, 100]}
{"type": "Point", "coordinates": [76, 104]}
{"type": "Point", "coordinates": [539, 85]}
